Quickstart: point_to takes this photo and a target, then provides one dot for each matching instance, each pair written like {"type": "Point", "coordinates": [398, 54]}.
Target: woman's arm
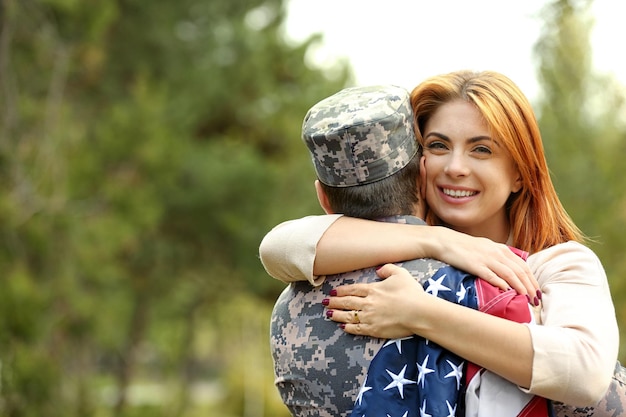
{"type": "Point", "coordinates": [314, 246]}
{"type": "Point", "coordinates": [398, 307]}
{"type": "Point", "coordinates": [350, 244]}
{"type": "Point", "coordinates": [287, 251]}
{"type": "Point", "coordinates": [579, 338]}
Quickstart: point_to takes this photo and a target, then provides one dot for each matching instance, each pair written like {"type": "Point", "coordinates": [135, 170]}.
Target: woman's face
{"type": "Point", "coordinates": [469, 175]}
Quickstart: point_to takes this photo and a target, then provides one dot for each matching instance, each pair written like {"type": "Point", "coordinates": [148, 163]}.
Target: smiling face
{"type": "Point", "coordinates": [469, 174]}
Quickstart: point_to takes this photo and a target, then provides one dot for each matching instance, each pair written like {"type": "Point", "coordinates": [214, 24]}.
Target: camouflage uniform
{"type": "Point", "coordinates": [357, 136]}
{"type": "Point", "coordinates": [360, 135]}
{"type": "Point", "coordinates": [320, 368]}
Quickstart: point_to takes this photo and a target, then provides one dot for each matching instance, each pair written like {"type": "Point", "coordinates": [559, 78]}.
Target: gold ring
{"type": "Point", "coordinates": [356, 317]}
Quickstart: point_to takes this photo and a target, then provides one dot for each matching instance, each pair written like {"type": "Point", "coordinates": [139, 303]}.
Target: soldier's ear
{"type": "Point", "coordinates": [322, 198]}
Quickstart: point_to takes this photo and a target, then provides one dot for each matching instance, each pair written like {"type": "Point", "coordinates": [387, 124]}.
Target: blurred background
{"type": "Point", "coordinates": [147, 147]}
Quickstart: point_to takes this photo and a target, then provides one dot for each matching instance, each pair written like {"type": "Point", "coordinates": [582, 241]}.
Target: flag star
{"type": "Point", "coordinates": [406, 413]}
{"type": "Point", "coordinates": [398, 381]}
{"type": "Point", "coordinates": [461, 293]}
{"type": "Point", "coordinates": [451, 410]}
{"type": "Point", "coordinates": [362, 391]}
{"type": "Point", "coordinates": [423, 371]}
{"type": "Point", "coordinates": [423, 412]}
{"type": "Point", "coordinates": [434, 286]}
{"type": "Point", "coordinates": [398, 342]}
{"type": "Point", "coordinates": [457, 372]}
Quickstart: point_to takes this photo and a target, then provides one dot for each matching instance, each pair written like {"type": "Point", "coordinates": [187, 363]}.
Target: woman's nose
{"type": "Point", "coordinates": [456, 165]}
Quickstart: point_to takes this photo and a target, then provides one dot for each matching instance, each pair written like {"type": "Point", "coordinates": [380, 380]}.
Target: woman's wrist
{"type": "Point", "coordinates": [428, 242]}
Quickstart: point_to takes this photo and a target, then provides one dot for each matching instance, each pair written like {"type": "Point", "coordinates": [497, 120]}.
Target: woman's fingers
{"type": "Point", "coordinates": [494, 262]}
{"type": "Point", "coordinates": [356, 329]}
{"type": "Point", "coordinates": [510, 271]}
{"type": "Point", "coordinates": [348, 316]}
{"type": "Point", "coordinates": [358, 290]}
{"type": "Point", "coordinates": [369, 309]}
{"type": "Point", "coordinates": [347, 302]}
{"type": "Point", "coordinates": [388, 270]}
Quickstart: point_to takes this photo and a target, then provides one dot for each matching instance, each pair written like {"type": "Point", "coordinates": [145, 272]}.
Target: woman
{"type": "Point", "coordinates": [485, 175]}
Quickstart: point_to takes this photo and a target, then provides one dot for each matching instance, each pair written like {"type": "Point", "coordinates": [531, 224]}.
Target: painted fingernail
{"type": "Point", "coordinates": [378, 267]}
{"type": "Point", "coordinates": [325, 301]}
{"type": "Point", "coordinates": [528, 298]}
{"type": "Point", "coordinates": [342, 325]}
{"type": "Point", "coordinates": [536, 300]}
{"type": "Point", "coordinates": [329, 313]}
{"type": "Point", "coordinates": [333, 292]}
{"type": "Point", "coordinates": [539, 294]}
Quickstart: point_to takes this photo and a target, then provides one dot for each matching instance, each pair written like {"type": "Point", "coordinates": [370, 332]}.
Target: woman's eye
{"type": "Point", "coordinates": [482, 149]}
{"type": "Point", "coordinates": [435, 145]}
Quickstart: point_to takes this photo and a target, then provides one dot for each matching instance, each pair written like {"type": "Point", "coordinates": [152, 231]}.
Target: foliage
{"type": "Point", "coordinates": [582, 121]}
{"type": "Point", "coordinates": [144, 153]}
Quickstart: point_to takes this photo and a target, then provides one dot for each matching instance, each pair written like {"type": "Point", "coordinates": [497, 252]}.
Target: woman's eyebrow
{"type": "Point", "coordinates": [483, 137]}
{"type": "Point", "coordinates": [439, 135]}
{"type": "Point", "coordinates": [480, 138]}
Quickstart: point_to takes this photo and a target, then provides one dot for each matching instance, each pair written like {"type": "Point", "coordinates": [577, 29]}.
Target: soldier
{"type": "Point", "coordinates": [366, 158]}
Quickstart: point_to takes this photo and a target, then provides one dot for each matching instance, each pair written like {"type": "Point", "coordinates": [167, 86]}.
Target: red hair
{"type": "Point", "coordinates": [537, 217]}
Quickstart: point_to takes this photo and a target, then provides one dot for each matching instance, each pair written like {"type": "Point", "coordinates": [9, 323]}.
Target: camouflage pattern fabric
{"type": "Point", "coordinates": [360, 135]}
{"type": "Point", "coordinates": [612, 405]}
{"type": "Point", "coordinates": [319, 368]}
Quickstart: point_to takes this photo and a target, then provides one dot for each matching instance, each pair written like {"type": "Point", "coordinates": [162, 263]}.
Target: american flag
{"type": "Point", "coordinates": [413, 376]}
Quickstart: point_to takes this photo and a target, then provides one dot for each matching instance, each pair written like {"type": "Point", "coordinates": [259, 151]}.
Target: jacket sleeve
{"type": "Point", "coordinates": [287, 251]}
{"type": "Point", "coordinates": [576, 342]}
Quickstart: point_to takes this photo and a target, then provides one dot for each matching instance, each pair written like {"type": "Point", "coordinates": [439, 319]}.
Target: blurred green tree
{"type": "Point", "coordinates": [584, 130]}
{"type": "Point", "coordinates": [144, 152]}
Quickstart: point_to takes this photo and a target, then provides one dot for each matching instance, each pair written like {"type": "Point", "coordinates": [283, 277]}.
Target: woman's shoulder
{"type": "Point", "coordinates": [570, 248]}
{"type": "Point", "coordinates": [568, 261]}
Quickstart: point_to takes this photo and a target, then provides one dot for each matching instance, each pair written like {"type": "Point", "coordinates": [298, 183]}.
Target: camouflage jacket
{"type": "Point", "coordinates": [319, 368]}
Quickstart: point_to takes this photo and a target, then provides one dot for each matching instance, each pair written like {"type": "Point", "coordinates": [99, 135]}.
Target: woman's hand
{"type": "Point", "coordinates": [494, 262]}
{"type": "Point", "coordinates": [388, 309]}
{"type": "Point", "coordinates": [398, 307]}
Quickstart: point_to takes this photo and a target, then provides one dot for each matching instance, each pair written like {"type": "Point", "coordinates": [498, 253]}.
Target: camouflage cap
{"type": "Point", "coordinates": [360, 135]}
